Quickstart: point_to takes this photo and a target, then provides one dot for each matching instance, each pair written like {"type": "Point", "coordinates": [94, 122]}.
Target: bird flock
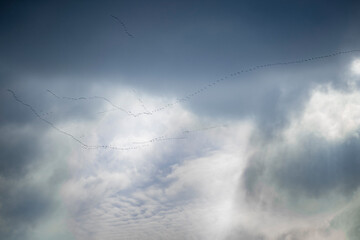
{"type": "Point", "coordinates": [183, 134]}
{"type": "Point", "coordinates": [209, 85]}
{"type": "Point", "coordinates": [128, 146]}
{"type": "Point", "coordinates": [123, 25]}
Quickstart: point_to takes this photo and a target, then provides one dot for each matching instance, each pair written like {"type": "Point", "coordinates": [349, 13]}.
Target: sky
{"type": "Point", "coordinates": [175, 120]}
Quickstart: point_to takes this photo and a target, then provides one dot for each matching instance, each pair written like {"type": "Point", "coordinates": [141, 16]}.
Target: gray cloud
{"type": "Point", "coordinates": [21, 206]}
{"type": "Point", "coordinates": [244, 234]}
{"type": "Point", "coordinates": [22, 203]}
{"type": "Point", "coordinates": [18, 150]}
{"type": "Point", "coordinates": [320, 167]}
{"type": "Point", "coordinates": [194, 66]}
{"type": "Point", "coordinates": [349, 220]}
{"type": "Point", "coordinates": [308, 168]}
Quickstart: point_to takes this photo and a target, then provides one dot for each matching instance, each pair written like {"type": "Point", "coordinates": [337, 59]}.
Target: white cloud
{"type": "Point", "coordinates": [355, 67]}
{"type": "Point", "coordinates": [331, 114]}
{"type": "Point", "coordinates": [187, 188]}
{"type": "Point", "coordinates": [170, 189]}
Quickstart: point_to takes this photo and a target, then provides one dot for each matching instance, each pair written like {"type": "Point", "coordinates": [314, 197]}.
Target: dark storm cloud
{"type": "Point", "coordinates": [17, 150]}
{"type": "Point", "coordinates": [180, 49]}
{"type": "Point", "coordinates": [22, 204]}
{"type": "Point", "coordinates": [312, 170]}
{"type": "Point", "coordinates": [176, 41]}
{"type": "Point", "coordinates": [25, 202]}
{"type": "Point", "coordinates": [20, 136]}
{"type": "Point", "coordinates": [320, 167]}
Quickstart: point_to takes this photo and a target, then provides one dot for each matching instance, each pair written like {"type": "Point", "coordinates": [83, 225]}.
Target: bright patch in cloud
{"type": "Point", "coordinates": [355, 67]}
{"type": "Point", "coordinates": [330, 113]}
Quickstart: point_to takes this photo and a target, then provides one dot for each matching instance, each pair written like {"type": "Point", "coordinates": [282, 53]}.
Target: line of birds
{"type": "Point", "coordinates": [251, 69]}
{"type": "Point", "coordinates": [123, 25]}
{"type": "Point", "coordinates": [186, 98]}
{"type": "Point", "coordinates": [208, 85]}
{"type": "Point", "coordinates": [116, 107]}
{"type": "Point", "coordinates": [141, 101]}
{"type": "Point", "coordinates": [128, 146]}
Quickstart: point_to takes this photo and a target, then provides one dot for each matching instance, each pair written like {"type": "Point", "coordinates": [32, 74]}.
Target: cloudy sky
{"type": "Point", "coordinates": [200, 120]}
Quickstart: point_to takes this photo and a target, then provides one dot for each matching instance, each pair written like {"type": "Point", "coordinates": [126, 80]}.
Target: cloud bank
{"type": "Point", "coordinates": [179, 120]}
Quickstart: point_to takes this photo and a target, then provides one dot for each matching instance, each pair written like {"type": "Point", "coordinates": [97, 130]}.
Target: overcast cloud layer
{"type": "Point", "coordinates": [180, 120]}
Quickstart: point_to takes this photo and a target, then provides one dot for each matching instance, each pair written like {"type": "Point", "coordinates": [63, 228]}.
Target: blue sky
{"type": "Point", "coordinates": [179, 120]}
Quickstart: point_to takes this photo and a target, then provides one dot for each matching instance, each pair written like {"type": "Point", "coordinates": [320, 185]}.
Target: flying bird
{"type": "Point", "coordinates": [123, 25]}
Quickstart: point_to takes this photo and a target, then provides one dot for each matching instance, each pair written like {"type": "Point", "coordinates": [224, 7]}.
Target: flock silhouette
{"type": "Point", "coordinates": [123, 25]}
{"type": "Point", "coordinates": [127, 146]}
{"type": "Point", "coordinates": [206, 87]}
{"type": "Point", "coordinates": [116, 107]}
{"type": "Point", "coordinates": [182, 134]}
